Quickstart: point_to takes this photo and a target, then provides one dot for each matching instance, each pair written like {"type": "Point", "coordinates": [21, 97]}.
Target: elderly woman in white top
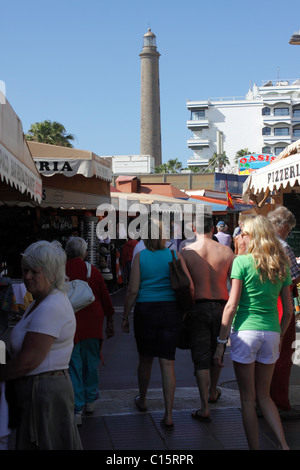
{"type": "Point", "coordinates": [41, 346]}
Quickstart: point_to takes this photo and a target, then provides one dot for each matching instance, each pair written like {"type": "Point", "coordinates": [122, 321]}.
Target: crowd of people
{"type": "Point", "coordinates": [242, 294]}
{"type": "Point", "coordinates": [254, 311]}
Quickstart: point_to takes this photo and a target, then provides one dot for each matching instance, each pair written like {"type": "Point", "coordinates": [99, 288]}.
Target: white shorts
{"type": "Point", "coordinates": [248, 346]}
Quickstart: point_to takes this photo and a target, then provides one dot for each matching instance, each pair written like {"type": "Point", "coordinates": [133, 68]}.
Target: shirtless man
{"type": "Point", "coordinates": [209, 264]}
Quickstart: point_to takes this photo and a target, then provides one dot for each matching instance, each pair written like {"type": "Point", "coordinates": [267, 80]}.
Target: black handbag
{"type": "Point", "coordinates": [180, 283]}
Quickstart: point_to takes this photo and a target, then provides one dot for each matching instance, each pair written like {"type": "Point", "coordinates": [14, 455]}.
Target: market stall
{"type": "Point", "coordinates": [75, 182]}
{"type": "Point", "coordinates": [19, 178]}
{"type": "Point", "coordinates": [20, 186]}
{"type": "Point", "coordinates": [278, 184]}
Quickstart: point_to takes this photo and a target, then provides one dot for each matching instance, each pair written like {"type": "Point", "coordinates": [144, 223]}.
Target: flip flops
{"type": "Point", "coordinates": [137, 404]}
{"type": "Point", "coordinates": [166, 426]}
{"type": "Point", "coordinates": [197, 415]}
{"type": "Point", "coordinates": [219, 393]}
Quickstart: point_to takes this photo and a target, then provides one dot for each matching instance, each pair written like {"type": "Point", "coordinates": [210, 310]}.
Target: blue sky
{"type": "Point", "coordinates": [77, 62]}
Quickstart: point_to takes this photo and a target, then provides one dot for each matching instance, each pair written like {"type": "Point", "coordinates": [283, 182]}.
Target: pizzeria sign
{"type": "Point", "coordinates": [281, 173]}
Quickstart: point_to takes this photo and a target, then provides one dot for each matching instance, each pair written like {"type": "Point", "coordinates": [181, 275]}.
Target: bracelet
{"type": "Point", "coordinates": [125, 318]}
{"type": "Point", "coordinates": [222, 341]}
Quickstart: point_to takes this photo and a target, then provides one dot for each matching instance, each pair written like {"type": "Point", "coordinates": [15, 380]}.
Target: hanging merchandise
{"type": "Point", "coordinates": [104, 264]}
{"type": "Point", "coordinates": [90, 224]}
{"type": "Point", "coordinates": [296, 304]}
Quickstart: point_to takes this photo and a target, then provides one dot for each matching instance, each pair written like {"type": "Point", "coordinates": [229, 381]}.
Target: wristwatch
{"type": "Point", "coordinates": [222, 341]}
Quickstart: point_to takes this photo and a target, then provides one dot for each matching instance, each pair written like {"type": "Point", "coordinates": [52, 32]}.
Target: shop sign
{"type": "Point", "coordinates": [253, 162]}
{"type": "Point", "coordinates": [290, 172]}
{"type": "Point", "coordinates": [280, 173]}
{"type": "Point", "coordinates": [17, 174]}
{"type": "Point", "coordinates": [72, 167]}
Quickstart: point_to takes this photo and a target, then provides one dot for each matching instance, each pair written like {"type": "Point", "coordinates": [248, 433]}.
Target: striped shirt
{"type": "Point", "coordinates": [295, 271]}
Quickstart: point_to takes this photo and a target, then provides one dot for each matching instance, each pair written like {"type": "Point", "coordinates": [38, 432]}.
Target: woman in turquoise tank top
{"type": "Point", "coordinates": [157, 318]}
{"type": "Point", "coordinates": [258, 278]}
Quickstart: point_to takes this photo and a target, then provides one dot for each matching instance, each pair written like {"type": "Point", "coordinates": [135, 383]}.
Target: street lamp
{"type": "Point", "coordinates": [295, 39]}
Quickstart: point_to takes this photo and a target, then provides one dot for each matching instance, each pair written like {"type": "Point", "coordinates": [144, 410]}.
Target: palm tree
{"type": "Point", "coordinates": [172, 166]}
{"type": "Point", "coordinates": [49, 132]}
{"type": "Point", "coordinates": [218, 161]}
{"type": "Point", "coordinates": [194, 168]}
{"type": "Point", "coordinates": [163, 168]}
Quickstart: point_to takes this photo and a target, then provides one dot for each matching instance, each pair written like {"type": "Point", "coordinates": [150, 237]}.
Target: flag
{"type": "Point", "coordinates": [229, 199]}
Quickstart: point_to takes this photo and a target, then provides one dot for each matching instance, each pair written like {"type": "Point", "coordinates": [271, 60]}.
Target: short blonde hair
{"type": "Point", "coordinates": [269, 256]}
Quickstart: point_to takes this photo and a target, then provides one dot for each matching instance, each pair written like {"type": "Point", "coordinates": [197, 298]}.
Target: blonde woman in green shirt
{"type": "Point", "coordinates": [258, 278]}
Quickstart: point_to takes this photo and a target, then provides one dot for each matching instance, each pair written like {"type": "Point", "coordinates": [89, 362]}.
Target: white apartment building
{"type": "Point", "coordinates": [265, 121]}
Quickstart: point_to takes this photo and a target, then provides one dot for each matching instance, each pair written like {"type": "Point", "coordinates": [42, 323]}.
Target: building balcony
{"type": "Point", "coordinates": [197, 162]}
{"type": "Point", "coordinates": [277, 139]}
{"type": "Point", "coordinates": [272, 120]}
{"type": "Point", "coordinates": [197, 124]}
{"type": "Point", "coordinates": [195, 105]}
{"type": "Point", "coordinates": [195, 144]}
{"type": "Point", "coordinates": [276, 100]}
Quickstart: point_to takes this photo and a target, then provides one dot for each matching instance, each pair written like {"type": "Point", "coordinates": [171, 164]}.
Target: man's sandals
{"type": "Point", "coordinates": [206, 419]}
{"type": "Point", "coordinates": [219, 393]}
{"type": "Point", "coordinates": [197, 415]}
{"type": "Point", "coordinates": [137, 404]}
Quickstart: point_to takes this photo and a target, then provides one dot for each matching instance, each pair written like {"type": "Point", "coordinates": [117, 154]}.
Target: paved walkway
{"type": "Point", "coordinates": [117, 425]}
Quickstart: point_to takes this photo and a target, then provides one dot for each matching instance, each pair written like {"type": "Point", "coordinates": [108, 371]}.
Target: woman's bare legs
{"type": "Point", "coordinates": [168, 384]}
{"type": "Point", "coordinates": [144, 375]}
{"type": "Point", "coordinates": [254, 381]}
{"type": "Point", "coordinates": [245, 374]}
{"type": "Point", "coordinates": [263, 378]}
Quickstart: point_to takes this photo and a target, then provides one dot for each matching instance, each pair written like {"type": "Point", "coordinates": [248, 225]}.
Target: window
{"type": "Point", "coordinates": [266, 111]}
{"type": "Point", "coordinates": [296, 133]}
{"type": "Point", "coordinates": [281, 112]}
{"type": "Point", "coordinates": [278, 150]}
{"type": "Point", "coordinates": [281, 131]}
{"type": "Point", "coordinates": [266, 149]}
{"type": "Point", "coordinates": [296, 112]}
{"type": "Point", "coordinates": [266, 131]}
{"type": "Point", "coordinates": [198, 115]}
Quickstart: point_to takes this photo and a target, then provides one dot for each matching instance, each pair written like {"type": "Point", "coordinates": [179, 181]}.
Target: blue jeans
{"type": "Point", "coordinates": [83, 370]}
